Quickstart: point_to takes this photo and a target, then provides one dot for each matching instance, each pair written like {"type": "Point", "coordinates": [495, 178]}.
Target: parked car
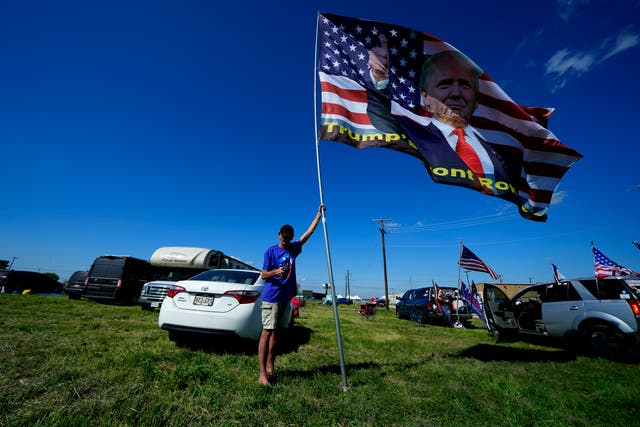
{"type": "Point", "coordinates": [420, 306]}
{"type": "Point", "coordinates": [74, 287]}
{"type": "Point", "coordinates": [154, 292]}
{"type": "Point", "coordinates": [18, 282]}
{"type": "Point", "coordinates": [116, 278]}
{"type": "Point", "coordinates": [221, 302]}
{"type": "Point", "coordinates": [381, 302]}
{"type": "Point", "coordinates": [174, 263]}
{"type": "Point", "coordinates": [602, 314]}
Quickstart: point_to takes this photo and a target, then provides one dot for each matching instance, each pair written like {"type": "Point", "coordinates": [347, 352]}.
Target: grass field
{"type": "Point", "coordinates": [68, 363]}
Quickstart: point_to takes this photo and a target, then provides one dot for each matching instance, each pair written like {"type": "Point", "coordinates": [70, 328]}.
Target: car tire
{"type": "Point", "coordinates": [607, 341]}
{"type": "Point", "coordinates": [503, 335]}
{"type": "Point", "coordinates": [181, 339]}
{"type": "Point", "coordinates": [457, 324]}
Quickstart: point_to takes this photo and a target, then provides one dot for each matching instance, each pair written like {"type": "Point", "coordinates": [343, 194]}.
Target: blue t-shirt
{"type": "Point", "coordinates": [281, 288]}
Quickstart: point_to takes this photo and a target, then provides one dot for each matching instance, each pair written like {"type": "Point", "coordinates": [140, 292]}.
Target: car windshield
{"type": "Point", "coordinates": [230, 276]}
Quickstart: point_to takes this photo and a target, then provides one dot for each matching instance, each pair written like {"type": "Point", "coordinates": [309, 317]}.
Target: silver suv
{"type": "Point", "coordinates": [603, 314]}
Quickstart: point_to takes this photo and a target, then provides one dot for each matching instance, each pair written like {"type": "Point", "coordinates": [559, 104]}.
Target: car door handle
{"type": "Point", "coordinates": [574, 307]}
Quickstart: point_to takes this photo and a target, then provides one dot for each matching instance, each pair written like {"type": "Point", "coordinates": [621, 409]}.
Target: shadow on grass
{"type": "Point", "coordinates": [290, 342]}
{"type": "Point", "coordinates": [492, 353]}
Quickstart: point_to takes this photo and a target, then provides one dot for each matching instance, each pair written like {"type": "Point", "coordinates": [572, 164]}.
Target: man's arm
{"type": "Point", "coordinates": [270, 274]}
{"type": "Point", "coordinates": [313, 225]}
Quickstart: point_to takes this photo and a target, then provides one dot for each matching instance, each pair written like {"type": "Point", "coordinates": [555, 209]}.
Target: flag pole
{"type": "Point", "coordinates": [459, 256]}
{"type": "Point", "coordinates": [336, 318]}
{"type": "Point", "coordinates": [593, 256]}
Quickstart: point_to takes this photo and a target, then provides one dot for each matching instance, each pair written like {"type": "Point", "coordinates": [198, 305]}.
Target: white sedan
{"type": "Point", "coordinates": [215, 302]}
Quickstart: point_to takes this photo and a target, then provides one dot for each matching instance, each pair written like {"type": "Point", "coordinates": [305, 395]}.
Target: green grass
{"type": "Point", "coordinates": [79, 363]}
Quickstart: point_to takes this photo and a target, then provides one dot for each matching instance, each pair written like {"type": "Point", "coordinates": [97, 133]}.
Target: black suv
{"type": "Point", "coordinates": [421, 305]}
{"type": "Point", "coordinates": [75, 284]}
{"type": "Point", "coordinates": [115, 278]}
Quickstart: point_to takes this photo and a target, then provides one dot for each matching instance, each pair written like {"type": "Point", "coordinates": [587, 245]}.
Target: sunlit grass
{"type": "Point", "coordinates": [78, 363]}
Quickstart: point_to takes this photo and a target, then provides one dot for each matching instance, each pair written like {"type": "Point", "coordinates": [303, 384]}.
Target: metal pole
{"type": "Point", "coordinates": [457, 306]}
{"type": "Point", "coordinates": [336, 318]}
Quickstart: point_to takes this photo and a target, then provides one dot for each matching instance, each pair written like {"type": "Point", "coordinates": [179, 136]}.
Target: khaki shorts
{"type": "Point", "coordinates": [276, 314]}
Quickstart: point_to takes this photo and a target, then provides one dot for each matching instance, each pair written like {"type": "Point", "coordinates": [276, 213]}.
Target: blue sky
{"type": "Point", "coordinates": [126, 126]}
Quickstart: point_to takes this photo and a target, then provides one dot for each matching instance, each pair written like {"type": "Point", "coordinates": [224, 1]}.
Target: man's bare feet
{"type": "Point", "coordinates": [264, 380]}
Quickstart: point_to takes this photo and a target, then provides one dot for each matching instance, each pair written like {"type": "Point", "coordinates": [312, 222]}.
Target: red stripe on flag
{"type": "Point", "coordinates": [348, 94]}
{"type": "Point", "coordinates": [335, 109]}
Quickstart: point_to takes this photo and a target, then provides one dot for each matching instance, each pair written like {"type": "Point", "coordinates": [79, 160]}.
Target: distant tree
{"type": "Point", "coordinates": [54, 276]}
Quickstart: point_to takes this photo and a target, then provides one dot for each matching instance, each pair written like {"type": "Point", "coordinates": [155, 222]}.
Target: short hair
{"type": "Point", "coordinates": [286, 231]}
{"type": "Point", "coordinates": [455, 55]}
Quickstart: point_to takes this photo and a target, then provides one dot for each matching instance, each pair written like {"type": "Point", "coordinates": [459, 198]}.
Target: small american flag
{"type": "Point", "coordinates": [470, 261]}
{"type": "Point", "coordinates": [557, 276]}
{"type": "Point", "coordinates": [538, 158]}
{"type": "Point", "coordinates": [605, 267]}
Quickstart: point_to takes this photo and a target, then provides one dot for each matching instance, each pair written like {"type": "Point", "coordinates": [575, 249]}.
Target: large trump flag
{"type": "Point", "coordinates": [388, 86]}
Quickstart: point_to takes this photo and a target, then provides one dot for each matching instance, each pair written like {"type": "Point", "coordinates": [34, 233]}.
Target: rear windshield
{"type": "Point", "coordinates": [107, 267]}
{"type": "Point", "coordinates": [229, 276]}
{"type": "Point", "coordinates": [610, 289]}
{"type": "Point", "coordinates": [78, 275]}
{"type": "Point", "coordinates": [176, 274]}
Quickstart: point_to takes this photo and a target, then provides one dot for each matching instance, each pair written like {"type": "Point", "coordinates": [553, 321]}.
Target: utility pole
{"type": "Point", "coordinates": [384, 259]}
{"type": "Point", "coordinates": [347, 282]}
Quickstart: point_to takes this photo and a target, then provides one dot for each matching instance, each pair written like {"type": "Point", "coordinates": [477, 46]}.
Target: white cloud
{"type": "Point", "coordinates": [624, 41]}
{"type": "Point", "coordinates": [558, 197]}
{"type": "Point", "coordinates": [567, 7]}
{"type": "Point", "coordinates": [566, 64]}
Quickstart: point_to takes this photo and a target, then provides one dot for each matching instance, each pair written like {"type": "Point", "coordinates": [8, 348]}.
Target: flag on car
{"type": "Point", "coordinates": [470, 261]}
{"type": "Point", "coordinates": [435, 296]}
{"type": "Point", "coordinates": [605, 267]}
{"type": "Point", "coordinates": [358, 109]}
{"type": "Point", "coordinates": [472, 301]}
{"type": "Point", "coordinates": [557, 276]}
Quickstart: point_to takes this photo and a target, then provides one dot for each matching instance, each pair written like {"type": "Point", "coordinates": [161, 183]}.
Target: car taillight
{"type": "Point", "coordinates": [86, 282]}
{"type": "Point", "coordinates": [244, 297]}
{"type": "Point", "coordinates": [635, 306]}
{"type": "Point", "coordinates": [175, 291]}
{"type": "Point", "coordinates": [119, 284]}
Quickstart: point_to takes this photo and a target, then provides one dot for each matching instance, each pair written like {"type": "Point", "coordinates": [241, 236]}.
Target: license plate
{"type": "Point", "coordinates": [202, 300]}
{"type": "Point", "coordinates": [155, 304]}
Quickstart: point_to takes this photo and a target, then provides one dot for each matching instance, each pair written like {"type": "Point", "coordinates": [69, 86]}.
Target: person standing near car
{"type": "Point", "coordinates": [279, 274]}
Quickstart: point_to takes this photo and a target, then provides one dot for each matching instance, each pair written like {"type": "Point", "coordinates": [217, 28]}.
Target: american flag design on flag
{"type": "Point", "coordinates": [557, 276]}
{"type": "Point", "coordinates": [470, 261]}
{"type": "Point", "coordinates": [537, 160]}
{"type": "Point", "coordinates": [605, 267]}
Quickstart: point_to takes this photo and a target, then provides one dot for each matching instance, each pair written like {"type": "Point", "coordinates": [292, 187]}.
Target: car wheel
{"type": "Point", "coordinates": [457, 324]}
{"type": "Point", "coordinates": [503, 335]}
{"type": "Point", "coordinates": [607, 341]}
{"type": "Point", "coordinates": [179, 338]}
